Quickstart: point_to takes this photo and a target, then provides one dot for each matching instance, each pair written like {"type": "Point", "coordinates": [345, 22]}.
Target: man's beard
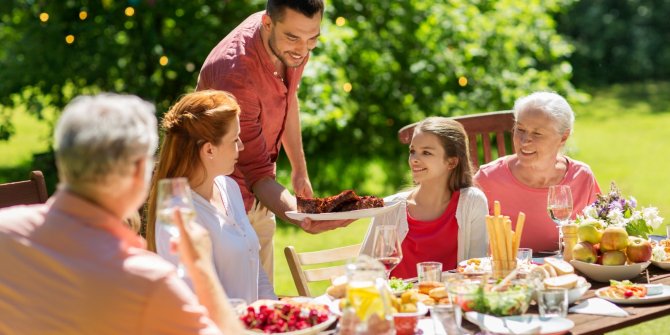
{"type": "Point", "coordinates": [277, 53]}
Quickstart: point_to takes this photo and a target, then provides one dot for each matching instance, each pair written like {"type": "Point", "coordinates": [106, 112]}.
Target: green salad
{"type": "Point", "coordinates": [399, 285]}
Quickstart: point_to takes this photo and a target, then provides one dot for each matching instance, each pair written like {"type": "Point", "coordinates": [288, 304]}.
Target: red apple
{"type": "Point", "coordinates": [614, 238]}
{"type": "Point", "coordinates": [638, 250]}
{"type": "Point", "coordinates": [584, 251]}
{"type": "Point", "coordinates": [615, 257]}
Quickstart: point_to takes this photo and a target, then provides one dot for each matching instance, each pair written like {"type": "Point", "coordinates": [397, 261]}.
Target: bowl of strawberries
{"type": "Point", "coordinates": [288, 318]}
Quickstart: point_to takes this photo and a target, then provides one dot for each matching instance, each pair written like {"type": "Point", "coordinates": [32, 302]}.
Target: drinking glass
{"type": "Point", "coordinates": [559, 206]}
{"type": "Point", "coordinates": [444, 320]}
{"type": "Point", "coordinates": [174, 194]}
{"type": "Point", "coordinates": [524, 256]}
{"type": "Point", "coordinates": [553, 302]}
{"type": "Point", "coordinates": [386, 248]}
{"type": "Point", "coordinates": [667, 231]}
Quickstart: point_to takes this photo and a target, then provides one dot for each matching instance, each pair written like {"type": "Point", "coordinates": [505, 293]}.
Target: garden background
{"type": "Point", "coordinates": [379, 65]}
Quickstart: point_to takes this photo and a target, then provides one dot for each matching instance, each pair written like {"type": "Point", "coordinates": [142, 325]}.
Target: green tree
{"type": "Point", "coordinates": [380, 65]}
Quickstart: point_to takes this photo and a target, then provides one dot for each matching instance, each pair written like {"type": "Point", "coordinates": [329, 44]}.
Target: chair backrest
{"type": "Point", "coordinates": [27, 192]}
{"type": "Point", "coordinates": [486, 134]}
{"type": "Point", "coordinates": [302, 277]}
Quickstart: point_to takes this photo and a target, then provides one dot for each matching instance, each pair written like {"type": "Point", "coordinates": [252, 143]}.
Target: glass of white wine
{"type": "Point", "coordinates": [559, 207]}
{"type": "Point", "coordinates": [174, 194]}
{"type": "Point", "coordinates": [386, 248]}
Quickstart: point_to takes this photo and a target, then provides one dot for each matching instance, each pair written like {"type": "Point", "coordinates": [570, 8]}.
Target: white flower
{"type": "Point", "coordinates": [590, 211]}
{"type": "Point", "coordinates": [650, 215]}
{"type": "Point", "coordinates": [615, 217]}
{"type": "Point", "coordinates": [658, 254]}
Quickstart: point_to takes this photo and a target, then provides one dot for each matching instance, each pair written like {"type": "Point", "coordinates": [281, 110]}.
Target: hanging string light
{"type": "Point", "coordinates": [44, 17]}
{"type": "Point", "coordinates": [69, 39]}
{"type": "Point", "coordinates": [163, 60]}
{"type": "Point", "coordinates": [130, 11]}
{"type": "Point", "coordinates": [83, 15]}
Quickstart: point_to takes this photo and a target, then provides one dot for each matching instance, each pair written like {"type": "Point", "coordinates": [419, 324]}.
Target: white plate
{"type": "Point", "coordinates": [520, 324]}
{"type": "Point", "coordinates": [308, 331]}
{"type": "Point", "coordinates": [350, 215]}
{"type": "Point", "coordinates": [603, 273]}
{"type": "Point", "coordinates": [662, 265]}
{"type": "Point", "coordinates": [638, 301]}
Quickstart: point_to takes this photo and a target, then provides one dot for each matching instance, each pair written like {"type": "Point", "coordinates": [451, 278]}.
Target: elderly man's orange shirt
{"type": "Point", "coordinates": [69, 267]}
{"type": "Point", "coordinates": [240, 65]}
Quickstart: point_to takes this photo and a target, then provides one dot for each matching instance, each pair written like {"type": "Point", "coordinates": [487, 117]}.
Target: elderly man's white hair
{"type": "Point", "coordinates": [551, 104]}
{"type": "Point", "coordinates": [98, 137]}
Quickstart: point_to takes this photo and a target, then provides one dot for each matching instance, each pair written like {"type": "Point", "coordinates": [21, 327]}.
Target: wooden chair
{"type": "Point", "coordinates": [301, 277]}
{"type": "Point", "coordinates": [486, 131]}
{"type": "Point", "coordinates": [27, 192]}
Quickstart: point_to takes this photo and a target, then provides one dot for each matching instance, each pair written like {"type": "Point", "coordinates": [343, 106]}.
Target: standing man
{"type": "Point", "coordinates": [261, 62]}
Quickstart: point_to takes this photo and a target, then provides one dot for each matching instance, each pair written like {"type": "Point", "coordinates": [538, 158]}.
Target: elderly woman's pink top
{"type": "Point", "coordinates": [540, 233]}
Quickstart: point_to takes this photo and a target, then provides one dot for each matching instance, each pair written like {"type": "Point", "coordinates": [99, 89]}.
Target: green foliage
{"type": "Point", "coordinates": [111, 50]}
{"type": "Point", "coordinates": [618, 40]}
{"type": "Point", "coordinates": [380, 65]}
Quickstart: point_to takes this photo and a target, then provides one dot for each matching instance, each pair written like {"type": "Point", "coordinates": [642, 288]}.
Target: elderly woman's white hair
{"type": "Point", "coordinates": [99, 138]}
{"type": "Point", "coordinates": [551, 104]}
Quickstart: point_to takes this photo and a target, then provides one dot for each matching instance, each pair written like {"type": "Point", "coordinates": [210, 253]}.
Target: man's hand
{"type": "Point", "coordinates": [315, 227]}
{"type": "Point", "coordinates": [302, 187]}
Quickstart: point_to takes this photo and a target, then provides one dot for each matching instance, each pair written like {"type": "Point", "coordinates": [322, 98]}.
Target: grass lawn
{"type": "Point", "coordinates": [620, 134]}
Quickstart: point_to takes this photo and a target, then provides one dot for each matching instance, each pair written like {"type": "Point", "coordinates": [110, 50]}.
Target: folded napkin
{"type": "Point", "coordinates": [598, 306]}
{"type": "Point", "coordinates": [506, 325]}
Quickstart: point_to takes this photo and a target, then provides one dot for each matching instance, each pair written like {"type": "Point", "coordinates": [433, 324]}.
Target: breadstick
{"type": "Point", "coordinates": [520, 220]}
{"type": "Point", "coordinates": [496, 208]}
{"type": "Point", "coordinates": [508, 240]}
{"type": "Point", "coordinates": [491, 232]}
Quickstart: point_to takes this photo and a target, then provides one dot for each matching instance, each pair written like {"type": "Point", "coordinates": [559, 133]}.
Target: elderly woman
{"type": "Point", "coordinates": [543, 123]}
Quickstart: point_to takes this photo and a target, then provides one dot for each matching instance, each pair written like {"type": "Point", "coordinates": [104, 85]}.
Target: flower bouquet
{"type": "Point", "coordinates": [614, 210]}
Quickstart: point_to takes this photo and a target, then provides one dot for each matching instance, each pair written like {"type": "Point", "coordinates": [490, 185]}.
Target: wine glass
{"type": "Point", "coordinates": [174, 194]}
{"type": "Point", "coordinates": [559, 206]}
{"type": "Point", "coordinates": [386, 248]}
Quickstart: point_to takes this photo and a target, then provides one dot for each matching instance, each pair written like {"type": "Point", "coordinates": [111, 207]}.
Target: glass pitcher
{"type": "Point", "coordinates": [367, 307]}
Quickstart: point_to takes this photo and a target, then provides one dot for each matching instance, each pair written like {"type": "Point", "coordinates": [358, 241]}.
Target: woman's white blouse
{"type": "Point", "coordinates": [235, 245]}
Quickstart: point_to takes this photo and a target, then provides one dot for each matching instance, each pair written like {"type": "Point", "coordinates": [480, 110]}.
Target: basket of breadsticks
{"type": "Point", "coordinates": [503, 241]}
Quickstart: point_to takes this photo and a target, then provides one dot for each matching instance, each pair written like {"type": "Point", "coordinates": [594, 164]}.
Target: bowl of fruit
{"type": "Point", "coordinates": [288, 318]}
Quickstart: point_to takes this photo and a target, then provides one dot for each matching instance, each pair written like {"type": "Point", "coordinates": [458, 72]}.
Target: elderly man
{"type": "Point", "coordinates": [71, 266]}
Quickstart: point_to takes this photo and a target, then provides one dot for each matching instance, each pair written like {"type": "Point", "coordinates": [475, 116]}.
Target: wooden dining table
{"type": "Point", "coordinates": [587, 324]}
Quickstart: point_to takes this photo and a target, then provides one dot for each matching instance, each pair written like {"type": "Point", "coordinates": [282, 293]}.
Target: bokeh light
{"type": "Point", "coordinates": [340, 21]}
{"type": "Point", "coordinates": [463, 81]}
{"type": "Point", "coordinates": [130, 11]}
{"type": "Point", "coordinates": [83, 15]}
{"type": "Point", "coordinates": [347, 87]}
{"type": "Point", "coordinates": [69, 39]}
{"type": "Point", "coordinates": [44, 17]}
{"type": "Point", "coordinates": [163, 60]}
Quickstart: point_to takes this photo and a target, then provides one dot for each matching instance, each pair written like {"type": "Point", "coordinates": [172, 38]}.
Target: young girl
{"type": "Point", "coordinates": [442, 219]}
{"type": "Point", "coordinates": [201, 143]}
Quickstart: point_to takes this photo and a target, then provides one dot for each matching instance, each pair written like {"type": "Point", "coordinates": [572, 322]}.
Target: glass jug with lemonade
{"type": "Point", "coordinates": [367, 307]}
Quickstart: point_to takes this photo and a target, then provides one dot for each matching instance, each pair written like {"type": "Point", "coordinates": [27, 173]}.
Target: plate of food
{"type": "Point", "coordinates": [344, 206]}
{"type": "Point", "coordinates": [474, 266]}
{"type": "Point", "coordinates": [287, 318]}
{"type": "Point", "coordinates": [627, 293]}
{"type": "Point", "coordinates": [399, 286]}
{"type": "Point", "coordinates": [520, 324]}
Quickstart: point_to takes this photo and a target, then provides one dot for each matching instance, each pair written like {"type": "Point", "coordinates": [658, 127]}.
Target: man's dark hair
{"type": "Point", "coordinates": [277, 8]}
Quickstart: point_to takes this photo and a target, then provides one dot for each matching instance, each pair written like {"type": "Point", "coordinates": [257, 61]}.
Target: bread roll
{"type": "Point", "coordinates": [565, 281]}
{"type": "Point", "coordinates": [550, 269]}
{"type": "Point", "coordinates": [438, 293]}
{"type": "Point", "coordinates": [562, 267]}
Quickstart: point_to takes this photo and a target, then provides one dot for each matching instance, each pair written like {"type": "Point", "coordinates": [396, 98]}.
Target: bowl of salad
{"type": "Point", "coordinates": [399, 286]}
{"type": "Point", "coordinates": [492, 297]}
